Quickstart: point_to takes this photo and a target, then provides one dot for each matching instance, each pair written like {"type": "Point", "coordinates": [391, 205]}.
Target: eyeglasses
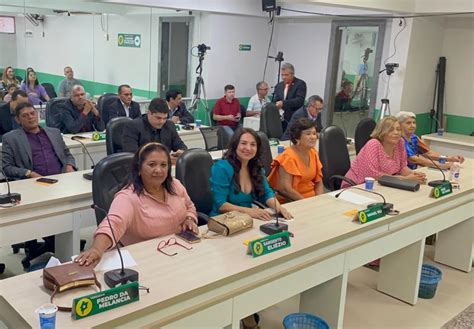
{"type": "Point", "coordinates": [166, 243]}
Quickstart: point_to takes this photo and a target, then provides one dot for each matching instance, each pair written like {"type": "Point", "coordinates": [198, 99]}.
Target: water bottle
{"type": "Point", "coordinates": [454, 172]}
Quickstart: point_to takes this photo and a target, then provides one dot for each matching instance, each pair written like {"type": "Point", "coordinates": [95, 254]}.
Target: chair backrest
{"type": "Point", "coordinates": [50, 90]}
{"type": "Point", "coordinates": [243, 112]}
{"type": "Point", "coordinates": [270, 122]}
{"type": "Point", "coordinates": [193, 170]}
{"type": "Point", "coordinates": [53, 112]}
{"type": "Point", "coordinates": [114, 133]}
{"type": "Point", "coordinates": [216, 138]}
{"type": "Point", "coordinates": [334, 155]}
{"type": "Point", "coordinates": [108, 178]}
{"type": "Point", "coordinates": [105, 99]}
{"type": "Point", "coordinates": [362, 133]}
{"type": "Point", "coordinates": [224, 135]}
{"type": "Point", "coordinates": [266, 156]}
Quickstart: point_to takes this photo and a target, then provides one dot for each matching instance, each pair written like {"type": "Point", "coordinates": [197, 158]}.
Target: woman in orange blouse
{"type": "Point", "coordinates": [297, 172]}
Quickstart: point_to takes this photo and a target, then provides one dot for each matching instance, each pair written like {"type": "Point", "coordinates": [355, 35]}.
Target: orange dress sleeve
{"type": "Point", "coordinates": [288, 161]}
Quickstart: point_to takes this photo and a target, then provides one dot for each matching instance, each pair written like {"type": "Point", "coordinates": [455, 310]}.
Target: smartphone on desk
{"type": "Point", "coordinates": [47, 180]}
{"type": "Point", "coordinates": [189, 237]}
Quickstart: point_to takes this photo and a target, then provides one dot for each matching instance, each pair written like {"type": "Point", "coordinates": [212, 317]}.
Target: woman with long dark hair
{"type": "Point", "coordinates": [31, 86]}
{"type": "Point", "coordinates": [238, 179]}
{"type": "Point", "coordinates": [152, 204]}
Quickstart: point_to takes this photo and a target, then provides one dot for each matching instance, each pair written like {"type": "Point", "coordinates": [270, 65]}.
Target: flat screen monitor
{"type": "Point", "coordinates": [7, 24]}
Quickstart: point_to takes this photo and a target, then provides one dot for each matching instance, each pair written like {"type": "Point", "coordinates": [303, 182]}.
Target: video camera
{"type": "Point", "coordinates": [202, 48]}
{"type": "Point", "coordinates": [390, 67]}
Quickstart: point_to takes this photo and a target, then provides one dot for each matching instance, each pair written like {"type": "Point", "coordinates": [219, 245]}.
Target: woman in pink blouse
{"type": "Point", "coordinates": [384, 154]}
{"type": "Point", "coordinates": [153, 204]}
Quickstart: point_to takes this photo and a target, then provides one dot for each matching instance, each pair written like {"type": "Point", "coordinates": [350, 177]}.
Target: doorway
{"type": "Point", "coordinates": [174, 54]}
{"type": "Point", "coordinates": [354, 58]}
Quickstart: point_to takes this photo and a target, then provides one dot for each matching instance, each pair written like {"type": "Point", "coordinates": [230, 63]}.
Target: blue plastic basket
{"type": "Point", "coordinates": [430, 276]}
{"type": "Point", "coordinates": [304, 321]}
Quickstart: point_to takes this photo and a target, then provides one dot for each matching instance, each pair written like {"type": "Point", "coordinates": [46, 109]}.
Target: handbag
{"type": "Point", "coordinates": [229, 223]}
{"type": "Point", "coordinates": [68, 276]}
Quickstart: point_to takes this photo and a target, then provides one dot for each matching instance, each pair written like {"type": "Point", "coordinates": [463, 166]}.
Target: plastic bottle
{"type": "Point", "coordinates": [454, 172]}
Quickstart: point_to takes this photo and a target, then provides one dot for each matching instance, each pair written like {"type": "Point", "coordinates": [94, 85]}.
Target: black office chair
{"type": "Point", "coordinates": [50, 90]}
{"type": "Point", "coordinates": [334, 157]}
{"type": "Point", "coordinates": [53, 112]}
{"type": "Point", "coordinates": [266, 155]}
{"type": "Point", "coordinates": [216, 138]}
{"type": "Point", "coordinates": [193, 170]}
{"type": "Point", "coordinates": [105, 100]}
{"type": "Point", "coordinates": [270, 122]}
{"type": "Point", "coordinates": [114, 133]}
{"type": "Point", "coordinates": [108, 177]}
{"type": "Point", "coordinates": [243, 112]}
{"type": "Point", "coordinates": [362, 133]}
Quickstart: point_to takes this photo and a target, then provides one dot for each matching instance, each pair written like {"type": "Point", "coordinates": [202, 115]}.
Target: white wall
{"type": "Point", "coordinates": [305, 44]}
{"type": "Point", "coordinates": [7, 58]}
{"type": "Point", "coordinates": [422, 58]}
{"type": "Point", "coordinates": [458, 48]}
{"type": "Point", "coordinates": [224, 63]}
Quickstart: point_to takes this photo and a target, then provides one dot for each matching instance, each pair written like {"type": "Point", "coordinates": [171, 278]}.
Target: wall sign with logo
{"type": "Point", "coordinates": [243, 47]}
{"type": "Point", "coordinates": [129, 40]}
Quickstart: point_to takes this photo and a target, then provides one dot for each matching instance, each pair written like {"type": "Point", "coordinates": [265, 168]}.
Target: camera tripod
{"type": "Point", "coordinates": [385, 108]}
{"type": "Point", "coordinates": [362, 87]}
{"type": "Point", "coordinates": [198, 87]}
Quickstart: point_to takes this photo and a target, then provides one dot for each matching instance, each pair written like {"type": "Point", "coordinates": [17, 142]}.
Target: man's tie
{"type": "Point", "coordinates": [287, 86]}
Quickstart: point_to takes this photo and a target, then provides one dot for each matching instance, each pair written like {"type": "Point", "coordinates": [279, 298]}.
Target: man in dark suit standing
{"type": "Point", "coordinates": [7, 112]}
{"type": "Point", "coordinates": [311, 111]}
{"type": "Point", "coordinates": [31, 151]}
{"type": "Point", "coordinates": [289, 94]}
{"type": "Point", "coordinates": [124, 106]}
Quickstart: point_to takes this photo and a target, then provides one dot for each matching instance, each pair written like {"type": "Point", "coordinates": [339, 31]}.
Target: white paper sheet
{"type": "Point", "coordinates": [53, 261]}
{"type": "Point", "coordinates": [353, 197]}
{"type": "Point", "coordinates": [111, 260]}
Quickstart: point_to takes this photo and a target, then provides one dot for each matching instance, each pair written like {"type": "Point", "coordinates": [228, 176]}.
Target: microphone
{"type": "Point", "coordinates": [437, 182]}
{"type": "Point", "coordinates": [277, 227]}
{"type": "Point", "coordinates": [386, 206]}
{"type": "Point", "coordinates": [122, 275]}
{"type": "Point", "coordinates": [87, 176]}
{"type": "Point", "coordinates": [12, 198]}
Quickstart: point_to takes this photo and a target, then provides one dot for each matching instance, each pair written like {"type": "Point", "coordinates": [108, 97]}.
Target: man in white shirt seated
{"type": "Point", "coordinates": [257, 101]}
{"type": "Point", "coordinates": [124, 106]}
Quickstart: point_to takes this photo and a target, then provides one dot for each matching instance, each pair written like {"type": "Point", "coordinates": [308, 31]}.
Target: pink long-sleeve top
{"type": "Point", "coordinates": [137, 218]}
{"type": "Point", "coordinates": [372, 161]}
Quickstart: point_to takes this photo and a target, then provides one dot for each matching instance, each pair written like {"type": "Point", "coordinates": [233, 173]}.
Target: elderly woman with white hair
{"type": "Point", "coordinates": [418, 153]}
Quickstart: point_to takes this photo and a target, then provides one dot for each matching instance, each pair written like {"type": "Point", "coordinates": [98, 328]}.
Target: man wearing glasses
{"type": "Point", "coordinates": [311, 111]}
{"type": "Point", "coordinates": [258, 100]}
{"type": "Point", "coordinates": [124, 106]}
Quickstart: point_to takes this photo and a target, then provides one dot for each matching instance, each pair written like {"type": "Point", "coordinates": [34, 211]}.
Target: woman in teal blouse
{"type": "Point", "coordinates": [238, 179]}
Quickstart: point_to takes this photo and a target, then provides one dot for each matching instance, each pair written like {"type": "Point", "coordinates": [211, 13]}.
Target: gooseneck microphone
{"type": "Point", "coordinates": [386, 206]}
{"type": "Point", "coordinates": [9, 198]}
{"type": "Point", "coordinates": [122, 275]}
{"type": "Point", "coordinates": [437, 182]}
{"type": "Point", "coordinates": [87, 176]}
{"type": "Point", "coordinates": [277, 227]}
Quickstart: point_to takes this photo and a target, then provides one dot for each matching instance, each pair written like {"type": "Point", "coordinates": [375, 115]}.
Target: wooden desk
{"type": "Point", "coordinates": [451, 144]}
{"type": "Point", "coordinates": [60, 209]}
{"type": "Point", "coordinates": [216, 284]}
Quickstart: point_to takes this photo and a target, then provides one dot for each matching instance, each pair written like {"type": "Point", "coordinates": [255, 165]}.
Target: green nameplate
{"type": "Point", "coordinates": [99, 302]}
{"type": "Point", "coordinates": [370, 214]}
{"type": "Point", "coordinates": [442, 190]}
{"type": "Point", "coordinates": [97, 136]}
{"type": "Point", "coordinates": [269, 244]}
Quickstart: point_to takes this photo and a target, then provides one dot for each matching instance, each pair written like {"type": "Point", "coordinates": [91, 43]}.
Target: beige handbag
{"type": "Point", "coordinates": [229, 223]}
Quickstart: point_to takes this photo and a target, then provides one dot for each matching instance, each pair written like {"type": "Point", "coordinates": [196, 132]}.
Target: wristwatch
{"type": "Point", "coordinates": [28, 173]}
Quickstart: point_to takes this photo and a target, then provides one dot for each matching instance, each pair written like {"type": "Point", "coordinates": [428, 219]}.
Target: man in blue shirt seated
{"type": "Point", "coordinates": [177, 109]}
{"type": "Point", "coordinates": [311, 111]}
{"type": "Point", "coordinates": [78, 114]}
{"type": "Point", "coordinates": [32, 151]}
{"type": "Point", "coordinates": [7, 112]}
{"type": "Point", "coordinates": [123, 106]}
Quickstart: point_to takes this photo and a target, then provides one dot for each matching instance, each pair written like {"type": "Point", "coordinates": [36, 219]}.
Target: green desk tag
{"type": "Point", "coordinates": [105, 300]}
{"type": "Point", "coordinates": [442, 190]}
{"type": "Point", "coordinates": [370, 214]}
{"type": "Point", "coordinates": [97, 136]}
{"type": "Point", "coordinates": [269, 244]}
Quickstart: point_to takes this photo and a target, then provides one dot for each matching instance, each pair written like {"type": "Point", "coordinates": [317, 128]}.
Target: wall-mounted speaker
{"type": "Point", "coordinates": [269, 5]}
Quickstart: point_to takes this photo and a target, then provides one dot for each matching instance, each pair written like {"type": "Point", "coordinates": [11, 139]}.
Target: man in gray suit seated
{"type": "Point", "coordinates": [32, 151]}
{"type": "Point", "coordinates": [311, 111]}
